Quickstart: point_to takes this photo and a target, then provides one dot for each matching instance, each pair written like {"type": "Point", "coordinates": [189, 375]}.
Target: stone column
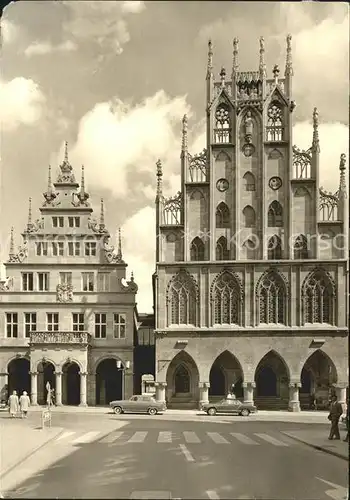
{"type": "Point", "coordinates": [294, 404]}
{"type": "Point", "coordinates": [203, 392]}
{"type": "Point", "coordinates": [340, 390]}
{"type": "Point", "coordinates": [83, 388]}
{"type": "Point", "coordinates": [160, 391]}
{"type": "Point", "coordinates": [4, 389]}
{"type": "Point", "coordinates": [58, 388]}
{"type": "Point", "coordinates": [248, 392]}
{"type": "Point", "coordinates": [34, 388]}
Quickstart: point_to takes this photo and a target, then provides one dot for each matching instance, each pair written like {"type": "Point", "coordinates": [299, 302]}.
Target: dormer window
{"type": "Point", "coordinates": [74, 221]}
{"type": "Point", "coordinates": [58, 221]}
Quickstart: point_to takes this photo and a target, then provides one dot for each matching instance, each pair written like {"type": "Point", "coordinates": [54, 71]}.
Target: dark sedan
{"type": "Point", "coordinates": [232, 406]}
{"type": "Point", "coordinates": [138, 404]}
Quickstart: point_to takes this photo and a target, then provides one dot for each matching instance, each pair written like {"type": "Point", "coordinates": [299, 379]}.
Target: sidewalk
{"type": "Point", "coordinates": [19, 439]}
{"type": "Point", "coordinates": [318, 439]}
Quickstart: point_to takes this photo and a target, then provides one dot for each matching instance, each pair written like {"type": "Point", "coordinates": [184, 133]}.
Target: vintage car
{"type": "Point", "coordinates": [232, 406]}
{"type": "Point", "coordinates": [138, 404]}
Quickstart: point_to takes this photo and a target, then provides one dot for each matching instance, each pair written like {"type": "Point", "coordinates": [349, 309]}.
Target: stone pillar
{"type": "Point", "coordinates": [58, 388]}
{"type": "Point", "coordinates": [294, 404]}
{"type": "Point", "coordinates": [340, 390]}
{"type": "Point", "coordinates": [34, 388]}
{"type": "Point", "coordinates": [248, 392]}
{"type": "Point", "coordinates": [83, 388]}
{"type": "Point", "coordinates": [4, 389]}
{"type": "Point", "coordinates": [160, 391]}
{"type": "Point", "coordinates": [128, 383]}
{"type": "Point", "coordinates": [203, 392]}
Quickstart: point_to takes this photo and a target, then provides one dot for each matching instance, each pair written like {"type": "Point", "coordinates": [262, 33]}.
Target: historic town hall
{"type": "Point", "coordinates": [251, 265]}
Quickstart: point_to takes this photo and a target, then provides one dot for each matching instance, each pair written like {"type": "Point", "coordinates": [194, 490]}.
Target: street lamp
{"type": "Point", "coordinates": [121, 367]}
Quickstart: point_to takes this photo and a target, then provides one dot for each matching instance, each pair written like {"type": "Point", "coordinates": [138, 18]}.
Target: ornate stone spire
{"type": "Point", "coordinates": [159, 180]}
{"type": "Point", "coordinates": [119, 253]}
{"type": "Point", "coordinates": [315, 137]}
{"type": "Point", "coordinates": [235, 56]}
{"type": "Point", "coordinates": [102, 215]}
{"type": "Point", "coordinates": [66, 175]}
{"type": "Point", "coordinates": [342, 168]}
{"type": "Point", "coordinates": [12, 244]}
{"type": "Point", "coordinates": [262, 65]}
{"type": "Point", "coordinates": [30, 221]}
{"type": "Point", "coordinates": [184, 146]}
{"type": "Point", "coordinates": [210, 60]}
{"type": "Point", "coordinates": [223, 76]}
{"type": "Point", "coordinates": [49, 195]}
{"type": "Point", "coordinates": [289, 64]}
{"type": "Point", "coordinates": [83, 195]}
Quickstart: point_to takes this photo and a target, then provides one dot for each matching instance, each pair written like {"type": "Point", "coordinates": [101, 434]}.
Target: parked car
{"type": "Point", "coordinates": [232, 406]}
{"type": "Point", "coordinates": [138, 404]}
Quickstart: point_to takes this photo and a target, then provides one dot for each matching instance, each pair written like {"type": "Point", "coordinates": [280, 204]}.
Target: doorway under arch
{"type": "Point", "coordinates": [18, 376]}
{"type": "Point", "coordinates": [272, 383]}
{"type": "Point", "coordinates": [46, 373]}
{"type": "Point", "coordinates": [318, 377]}
{"type": "Point", "coordinates": [109, 382]}
{"type": "Point", "coordinates": [182, 382]}
{"type": "Point", "coordinates": [71, 384]}
{"type": "Point", "coordinates": [226, 373]}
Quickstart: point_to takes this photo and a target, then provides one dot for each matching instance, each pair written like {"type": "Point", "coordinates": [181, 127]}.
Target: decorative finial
{"type": "Point", "coordinates": [66, 152]}
{"type": "Point", "coordinates": [102, 214]}
{"type": "Point", "coordinates": [132, 276]}
{"type": "Point", "coordinates": [235, 56]}
{"type": "Point", "coordinates": [262, 65]}
{"type": "Point", "coordinates": [49, 180]}
{"type": "Point", "coordinates": [223, 76]}
{"type": "Point", "coordinates": [315, 137]}
{"type": "Point", "coordinates": [210, 59]}
{"type": "Point", "coordinates": [49, 195]}
{"type": "Point", "coordinates": [276, 72]}
{"type": "Point", "coordinates": [184, 133]}
{"type": "Point", "coordinates": [83, 196]}
{"type": "Point", "coordinates": [12, 244]}
{"type": "Point", "coordinates": [342, 167]}
{"type": "Point", "coordinates": [159, 178]}
{"type": "Point", "coordinates": [29, 223]}
{"type": "Point", "coordinates": [119, 253]}
{"type": "Point", "coordinates": [289, 63]}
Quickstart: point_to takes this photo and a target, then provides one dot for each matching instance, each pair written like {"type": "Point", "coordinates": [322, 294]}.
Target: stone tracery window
{"type": "Point", "coordinates": [274, 129]}
{"type": "Point", "coordinates": [249, 181]}
{"type": "Point", "coordinates": [275, 215]}
{"type": "Point", "coordinates": [197, 249]}
{"type": "Point", "coordinates": [222, 216]}
{"type": "Point", "coordinates": [226, 300]}
{"type": "Point", "coordinates": [222, 130]}
{"type": "Point", "coordinates": [318, 298]}
{"type": "Point", "coordinates": [182, 300]}
{"type": "Point", "coordinates": [222, 252]}
{"type": "Point", "coordinates": [272, 300]}
{"type": "Point", "coordinates": [301, 247]}
{"type": "Point", "coordinates": [274, 248]}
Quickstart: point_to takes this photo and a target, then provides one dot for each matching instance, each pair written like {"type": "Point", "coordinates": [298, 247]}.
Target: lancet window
{"type": "Point", "coordinates": [272, 300]}
{"type": "Point", "coordinates": [222, 216]}
{"type": "Point", "coordinates": [301, 247]}
{"type": "Point", "coordinates": [318, 295]}
{"type": "Point", "coordinates": [182, 301]}
{"type": "Point", "coordinates": [274, 129]}
{"type": "Point", "coordinates": [249, 216]}
{"type": "Point", "coordinates": [222, 130]}
{"type": "Point", "coordinates": [226, 300]}
{"type": "Point", "coordinates": [197, 249]}
{"type": "Point", "coordinates": [249, 181]}
{"type": "Point", "coordinates": [274, 248]}
{"type": "Point", "coordinates": [275, 215]}
{"type": "Point", "coordinates": [222, 252]}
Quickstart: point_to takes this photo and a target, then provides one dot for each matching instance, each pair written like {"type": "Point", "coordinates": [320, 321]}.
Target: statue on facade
{"type": "Point", "coordinates": [248, 123]}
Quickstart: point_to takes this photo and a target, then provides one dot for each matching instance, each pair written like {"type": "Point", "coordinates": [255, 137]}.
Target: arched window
{"type": "Point", "coordinates": [274, 248]}
{"type": "Point", "coordinates": [222, 252]}
{"type": "Point", "coordinates": [222, 215]}
{"type": "Point", "coordinates": [249, 181]}
{"type": "Point", "coordinates": [226, 300]}
{"type": "Point", "coordinates": [197, 249]}
{"type": "Point", "coordinates": [300, 247]}
{"type": "Point", "coordinates": [182, 300]}
{"type": "Point", "coordinates": [249, 216]}
{"type": "Point", "coordinates": [275, 215]}
{"type": "Point", "coordinates": [318, 297]}
{"type": "Point", "coordinates": [272, 300]}
{"type": "Point", "coordinates": [222, 124]}
{"type": "Point", "coordinates": [274, 129]}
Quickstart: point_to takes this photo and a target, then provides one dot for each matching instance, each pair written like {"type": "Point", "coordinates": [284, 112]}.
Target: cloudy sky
{"type": "Point", "coordinates": [115, 78]}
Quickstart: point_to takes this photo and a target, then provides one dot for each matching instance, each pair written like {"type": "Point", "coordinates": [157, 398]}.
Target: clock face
{"type": "Point", "coordinates": [222, 184]}
{"type": "Point", "coordinates": [275, 183]}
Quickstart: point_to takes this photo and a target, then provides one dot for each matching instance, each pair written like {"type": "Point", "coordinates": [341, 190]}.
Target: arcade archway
{"type": "Point", "coordinates": [18, 376]}
{"type": "Point", "coordinates": [318, 377]}
{"type": "Point", "coordinates": [109, 382]}
{"type": "Point", "coordinates": [70, 384]}
{"type": "Point", "coordinates": [46, 373]}
{"type": "Point", "coordinates": [272, 382]}
{"type": "Point", "coordinates": [182, 382]}
{"type": "Point", "coordinates": [226, 372]}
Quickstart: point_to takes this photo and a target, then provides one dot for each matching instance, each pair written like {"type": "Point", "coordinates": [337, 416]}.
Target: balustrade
{"type": "Point", "coordinates": [50, 337]}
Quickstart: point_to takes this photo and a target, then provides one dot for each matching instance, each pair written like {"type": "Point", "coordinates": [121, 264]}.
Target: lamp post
{"type": "Point", "coordinates": [122, 368]}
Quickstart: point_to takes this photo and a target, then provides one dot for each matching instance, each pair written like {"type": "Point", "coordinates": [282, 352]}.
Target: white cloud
{"type": "Point", "coordinates": [133, 7]}
{"type": "Point", "coordinates": [21, 102]}
{"type": "Point", "coordinates": [9, 31]}
{"type": "Point", "coordinates": [43, 48]}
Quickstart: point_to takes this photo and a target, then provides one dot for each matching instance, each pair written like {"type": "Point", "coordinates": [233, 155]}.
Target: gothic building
{"type": "Point", "coordinates": [67, 315]}
{"type": "Point", "coordinates": [251, 264]}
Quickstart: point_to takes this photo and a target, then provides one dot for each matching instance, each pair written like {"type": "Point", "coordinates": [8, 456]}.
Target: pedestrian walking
{"type": "Point", "coordinates": [335, 413]}
{"type": "Point", "coordinates": [347, 424]}
{"type": "Point", "coordinates": [24, 403]}
{"type": "Point", "coordinates": [13, 404]}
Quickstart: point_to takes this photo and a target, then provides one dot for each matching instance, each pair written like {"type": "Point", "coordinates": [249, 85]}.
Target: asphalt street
{"type": "Point", "coordinates": [148, 458]}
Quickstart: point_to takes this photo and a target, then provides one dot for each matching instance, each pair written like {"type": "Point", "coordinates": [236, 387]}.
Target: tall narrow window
{"type": "Point", "coordinates": [103, 282]}
{"type": "Point", "coordinates": [78, 322]}
{"type": "Point", "coordinates": [52, 322]}
{"type": "Point", "coordinates": [100, 325]}
{"type": "Point", "coordinates": [249, 181]}
{"type": "Point", "coordinates": [272, 300]}
{"type": "Point", "coordinates": [66, 278]}
{"type": "Point", "coordinates": [301, 248]}
{"type": "Point", "coordinates": [182, 300]}
{"type": "Point", "coordinates": [90, 249]}
{"type": "Point", "coordinates": [57, 248]}
{"type": "Point", "coordinates": [74, 248]}
{"type": "Point", "coordinates": [119, 325]}
{"type": "Point", "coordinates": [12, 325]}
{"type": "Point", "coordinates": [29, 323]}
{"type": "Point", "coordinates": [197, 249]}
{"type": "Point", "coordinates": [222, 132]}
{"type": "Point", "coordinates": [275, 215]}
{"type": "Point", "coordinates": [222, 252]}
{"type": "Point", "coordinates": [27, 282]}
{"type": "Point", "coordinates": [226, 300]}
{"type": "Point", "coordinates": [249, 216]}
{"type": "Point", "coordinates": [318, 297]}
{"type": "Point", "coordinates": [88, 282]}
{"type": "Point", "coordinates": [41, 248]}
{"type": "Point", "coordinates": [43, 282]}
{"type": "Point", "coordinates": [58, 221]}
{"type": "Point", "coordinates": [222, 216]}
{"type": "Point", "coordinates": [274, 248]}
{"type": "Point", "coordinates": [274, 129]}
{"type": "Point", "coordinates": [74, 221]}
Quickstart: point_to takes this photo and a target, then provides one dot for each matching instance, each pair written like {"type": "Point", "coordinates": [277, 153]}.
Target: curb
{"type": "Point", "coordinates": [28, 455]}
{"type": "Point", "coordinates": [317, 447]}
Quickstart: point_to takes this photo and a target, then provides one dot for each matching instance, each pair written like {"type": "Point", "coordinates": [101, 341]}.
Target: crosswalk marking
{"type": "Point", "coordinates": [217, 438]}
{"type": "Point", "coordinates": [110, 438]}
{"type": "Point", "coordinates": [65, 435]}
{"type": "Point", "coordinates": [191, 437]}
{"type": "Point", "coordinates": [87, 437]}
{"type": "Point", "coordinates": [164, 437]}
{"type": "Point", "coordinates": [271, 439]}
{"type": "Point", "coordinates": [138, 437]}
{"type": "Point", "coordinates": [242, 438]}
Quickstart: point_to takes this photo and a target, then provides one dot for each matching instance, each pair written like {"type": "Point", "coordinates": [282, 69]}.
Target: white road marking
{"type": "Point", "coordinates": [271, 440]}
{"type": "Point", "coordinates": [65, 435]}
{"type": "Point", "coordinates": [138, 437]}
{"type": "Point", "coordinates": [337, 493]}
{"type": "Point", "coordinates": [191, 437]}
{"type": "Point", "coordinates": [110, 438]}
{"type": "Point", "coordinates": [212, 495]}
{"type": "Point", "coordinates": [186, 452]}
{"type": "Point", "coordinates": [164, 437]}
{"type": "Point", "coordinates": [242, 438]}
{"type": "Point", "coordinates": [217, 438]}
{"type": "Point", "coordinates": [86, 438]}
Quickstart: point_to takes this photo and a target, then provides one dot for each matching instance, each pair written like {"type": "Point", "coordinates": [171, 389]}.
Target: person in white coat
{"type": "Point", "coordinates": [24, 403]}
